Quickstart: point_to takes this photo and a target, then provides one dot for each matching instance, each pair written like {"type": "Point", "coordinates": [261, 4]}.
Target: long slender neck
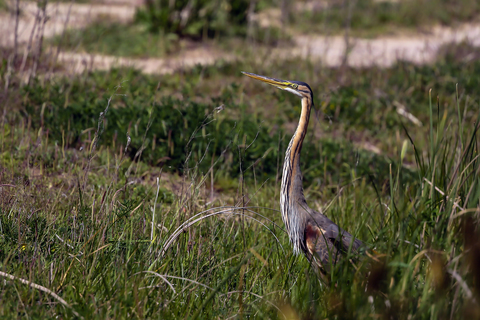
{"type": "Point", "coordinates": [292, 199]}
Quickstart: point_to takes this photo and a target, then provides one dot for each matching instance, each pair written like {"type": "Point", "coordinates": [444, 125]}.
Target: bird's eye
{"type": "Point", "coordinates": [294, 85]}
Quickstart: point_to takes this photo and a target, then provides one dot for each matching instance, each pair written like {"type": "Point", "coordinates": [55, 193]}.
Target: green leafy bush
{"type": "Point", "coordinates": [195, 18]}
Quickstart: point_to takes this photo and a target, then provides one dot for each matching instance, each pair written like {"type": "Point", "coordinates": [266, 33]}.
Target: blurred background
{"type": "Point", "coordinates": [121, 120]}
{"type": "Point", "coordinates": [353, 32]}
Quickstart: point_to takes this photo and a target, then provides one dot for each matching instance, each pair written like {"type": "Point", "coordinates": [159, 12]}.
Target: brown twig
{"type": "Point", "coordinates": [41, 288]}
{"type": "Point", "coordinates": [15, 41]}
{"type": "Point", "coordinates": [29, 43]}
{"type": "Point", "coordinates": [62, 37]}
{"type": "Point", "coordinates": [41, 28]}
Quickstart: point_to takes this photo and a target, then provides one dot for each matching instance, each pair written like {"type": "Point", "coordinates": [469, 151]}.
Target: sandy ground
{"type": "Point", "coordinates": [79, 62]}
{"type": "Point", "coordinates": [330, 50]}
{"type": "Point", "coordinates": [385, 51]}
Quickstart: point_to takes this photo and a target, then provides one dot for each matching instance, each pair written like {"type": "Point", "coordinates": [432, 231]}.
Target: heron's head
{"type": "Point", "coordinates": [298, 88]}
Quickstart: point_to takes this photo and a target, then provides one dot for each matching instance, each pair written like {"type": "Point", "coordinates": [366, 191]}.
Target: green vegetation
{"type": "Point", "coordinates": [159, 30]}
{"type": "Point", "coordinates": [186, 129]}
{"type": "Point", "coordinates": [371, 18]}
{"type": "Point", "coordinates": [132, 196]}
{"type": "Point", "coordinates": [117, 39]}
{"type": "Point", "coordinates": [135, 40]}
{"type": "Point", "coordinates": [204, 18]}
{"type": "Point", "coordinates": [77, 197]}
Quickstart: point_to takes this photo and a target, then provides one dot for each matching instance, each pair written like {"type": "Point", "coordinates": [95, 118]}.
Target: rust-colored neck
{"type": "Point", "coordinates": [292, 200]}
{"type": "Point", "coordinates": [297, 139]}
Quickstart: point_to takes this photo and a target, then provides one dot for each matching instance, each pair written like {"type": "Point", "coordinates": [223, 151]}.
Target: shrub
{"type": "Point", "coordinates": [195, 18]}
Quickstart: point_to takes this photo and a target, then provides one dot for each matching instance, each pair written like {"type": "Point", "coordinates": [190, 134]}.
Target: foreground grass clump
{"type": "Point", "coordinates": [98, 230]}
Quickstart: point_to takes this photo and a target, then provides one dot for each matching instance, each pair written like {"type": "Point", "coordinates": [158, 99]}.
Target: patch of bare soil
{"type": "Point", "coordinates": [79, 62]}
{"type": "Point", "coordinates": [384, 51]}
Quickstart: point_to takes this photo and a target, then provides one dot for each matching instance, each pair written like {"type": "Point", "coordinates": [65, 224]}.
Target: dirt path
{"type": "Point", "coordinates": [79, 62]}
{"type": "Point", "coordinates": [385, 51]}
{"type": "Point", "coordinates": [330, 50]}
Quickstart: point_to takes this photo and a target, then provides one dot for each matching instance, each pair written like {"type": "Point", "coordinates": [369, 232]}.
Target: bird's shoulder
{"type": "Point", "coordinates": [320, 226]}
{"type": "Point", "coordinates": [318, 221]}
{"type": "Point", "coordinates": [319, 247]}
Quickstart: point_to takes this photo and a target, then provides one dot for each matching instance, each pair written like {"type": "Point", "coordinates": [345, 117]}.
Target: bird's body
{"type": "Point", "coordinates": [321, 240]}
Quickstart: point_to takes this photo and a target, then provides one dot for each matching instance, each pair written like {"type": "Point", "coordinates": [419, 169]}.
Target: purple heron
{"type": "Point", "coordinates": [320, 239]}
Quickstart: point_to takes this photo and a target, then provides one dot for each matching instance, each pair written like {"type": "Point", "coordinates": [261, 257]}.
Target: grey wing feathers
{"type": "Point", "coordinates": [327, 242]}
{"type": "Point", "coordinates": [333, 232]}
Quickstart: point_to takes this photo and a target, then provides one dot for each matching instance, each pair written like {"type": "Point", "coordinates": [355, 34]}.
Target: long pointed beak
{"type": "Point", "coordinates": [281, 84]}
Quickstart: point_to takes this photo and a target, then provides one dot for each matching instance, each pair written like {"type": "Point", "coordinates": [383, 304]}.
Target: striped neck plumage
{"type": "Point", "coordinates": [292, 200]}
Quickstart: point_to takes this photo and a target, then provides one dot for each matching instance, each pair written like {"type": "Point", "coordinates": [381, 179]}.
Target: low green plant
{"type": "Point", "coordinates": [136, 41]}
{"type": "Point", "coordinates": [3, 5]}
{"type": "Point", "coordinates": [117, 39]}
{"type": "Point", "coordinates": [179, 134]}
